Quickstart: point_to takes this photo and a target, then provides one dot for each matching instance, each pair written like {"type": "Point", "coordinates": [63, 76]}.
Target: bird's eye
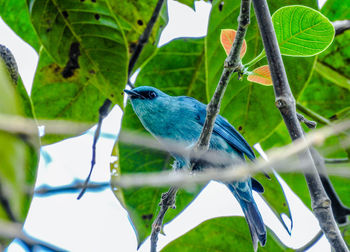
{"type": "Point", "coordinates": [152, 95]}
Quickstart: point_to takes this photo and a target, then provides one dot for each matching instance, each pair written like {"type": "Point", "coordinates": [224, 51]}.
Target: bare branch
{"type": "Point", "coordinates": [105, 108]}
{"type": "Point", "coordinates": [312, 114]}
{"type": "Point", "coordinates": [232, 64]}
{"type": "Point", "coordinates": [167, 201]}
{"type": "Point", "coordinates": [312, 242]}
{"type": "Point", "coordinates": [308, 123]}
{"type": "Point", "coordinates": [285, 102]}
{"type": "Point", "coordinates": [340, 26]}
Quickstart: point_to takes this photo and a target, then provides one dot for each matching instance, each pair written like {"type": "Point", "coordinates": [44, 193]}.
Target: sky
{"type": "Point", "coordinates": [98, 222]}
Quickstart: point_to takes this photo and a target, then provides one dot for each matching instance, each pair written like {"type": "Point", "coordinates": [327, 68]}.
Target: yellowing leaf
{"type": "Point", "coordinates": [261, 75]}
{"type": "Point", "coordinates": [227, 37]}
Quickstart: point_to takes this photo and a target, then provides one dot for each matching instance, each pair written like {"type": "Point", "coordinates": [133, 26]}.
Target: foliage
{"type": "Point", "coordinates": [84, 48]}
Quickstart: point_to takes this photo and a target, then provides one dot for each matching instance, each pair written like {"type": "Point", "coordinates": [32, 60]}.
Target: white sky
{"type": "Point", "coordinates": [97, 222]}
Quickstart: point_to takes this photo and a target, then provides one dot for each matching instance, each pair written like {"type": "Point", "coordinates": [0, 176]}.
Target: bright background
{"type": "Point", "coordinates": [98, 222]}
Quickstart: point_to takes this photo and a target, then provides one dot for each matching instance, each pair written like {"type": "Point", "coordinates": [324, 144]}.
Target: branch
{"type": "Point", "coordinates": [105, 108]}
{"type": "Point", "coordinates": [10, 230]}
{"type": "Point", "coordinates": [167, 201]}
{"type": "Point", "coordinates": [340, 26]}
{"type": "Point", "coordinates": [232, 64]}
{"type": "Point", "coordinates": [44, 191]}
{"type": "Point", "coordinates": [308, 245]}
{"type": "Point", "coordinates": [308, 123]}
{"type": "Point", "coordinates": [285, 102]}
{"type": "Point", "coordinates": [312, 114]}
{"type": "Point", "coordinates": [336, 160]}
{"type": "Point", "coordinates": [340, 211]}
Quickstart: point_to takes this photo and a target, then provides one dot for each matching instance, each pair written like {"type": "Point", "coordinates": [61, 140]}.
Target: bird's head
{"type": "Point", "coordinates": [148, 101]}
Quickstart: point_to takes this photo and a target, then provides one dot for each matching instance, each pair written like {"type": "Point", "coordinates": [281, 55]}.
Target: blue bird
{"type": "Point", "coordinates": [181, 118]}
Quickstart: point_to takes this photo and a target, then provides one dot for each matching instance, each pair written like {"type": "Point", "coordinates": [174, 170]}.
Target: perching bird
{"type": "Point", "coordinates": [181, 118]}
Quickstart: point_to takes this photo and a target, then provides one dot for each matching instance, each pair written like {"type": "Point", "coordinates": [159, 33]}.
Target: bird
{"type": "Point", "coordinates": [181, 118]}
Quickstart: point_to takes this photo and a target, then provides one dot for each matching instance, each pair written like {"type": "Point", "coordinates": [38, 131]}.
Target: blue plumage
{"type": "Point", "coordinates": [181, 119]}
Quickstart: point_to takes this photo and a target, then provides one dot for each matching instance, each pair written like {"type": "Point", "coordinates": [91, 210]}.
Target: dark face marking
{"type": "Point", "coordinates": [143, 95]}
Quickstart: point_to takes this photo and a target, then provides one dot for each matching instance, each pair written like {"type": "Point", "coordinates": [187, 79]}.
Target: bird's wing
{"type": "Point", "coordinates": [222, 128]}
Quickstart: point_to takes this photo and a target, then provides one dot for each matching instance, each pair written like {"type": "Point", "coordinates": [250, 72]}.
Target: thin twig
{"type": "Point", "coordinates": [44, 191]}
{"type": "Point", "coordinates": [308, 123]}
{"type": "Point", "coordinates": [340, 26]}
{"type": "Point", "coordinates": [167, 201]}
{"type": "Point", "coordinates": [340, 211]}
{"type": "Point", "coordinates": [285, 102]}
{"type": "Point", "coordinates": [336, 160]}
{"type": "Point", "coordinates": [312, 114]}
{"type": "Point", "coordinates": [11, 230]}
{"type": "Point", "coordinates": [105, 108]}
{"type": "Point", "coordinates": [232, 64]}
{"type": "Point", "coordinates": [312, 242]}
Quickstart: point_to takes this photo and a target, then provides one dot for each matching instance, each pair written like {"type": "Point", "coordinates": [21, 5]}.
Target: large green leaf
{"type": "Point", "coordinates": [86, 40]}
{"type": "Point", "coordinates": [325, 94]}
{"type": "Point", "coordinates": [133, 17]}
{"type": "Point", "coordinates": [302, 31]}
{"type": "Point", "coordinates": [54, 96]}
{"type": "Point", "coordinates": [220, 234]}
{"type": "Point", "coordinates": [19, 153]}
{"type": "Point", "coordinates": [192, 67]}
{"type": "Point", "coordinates": [15, 14]}
{"type": "Point", "coordinates": [336, 9]}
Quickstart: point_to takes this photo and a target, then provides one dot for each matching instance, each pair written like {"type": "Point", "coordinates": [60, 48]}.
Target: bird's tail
{"type": "Point", "coordinates": [252, 215]}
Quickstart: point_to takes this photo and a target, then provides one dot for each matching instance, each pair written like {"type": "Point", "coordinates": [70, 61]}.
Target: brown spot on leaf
{"type": "Point", "coordinates": [65, 14]}
{"type": "Point", "coordinates": [92, 71]}
{"type": "Point", "coordinates": [240, 128]}
{"type": "Point", "coordinates": [97, 16]}
{"type": "Point", "coordinates": [48, 29]}
{"type": "Point", "coordinates": [221, 5]}
{"type": "Point", "coordinates": [147, 216]}
{"type": "Point", "coordinates": [72, 64]}
{"type": "Point", "coordinates": [139, 22]}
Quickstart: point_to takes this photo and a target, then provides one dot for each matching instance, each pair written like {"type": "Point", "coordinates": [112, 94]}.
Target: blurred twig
{"type": "Point", "coordinates": [11, 230]}
{"type": "Point", "coordinates": [340, 26]}
{"type": "Point", "coordinates": [336, 160]}
{"type": "Point", "coordinates": [312, 242]}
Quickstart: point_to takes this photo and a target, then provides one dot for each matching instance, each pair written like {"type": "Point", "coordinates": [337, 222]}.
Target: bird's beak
{"type": "Point", "coordinates": [132, 94]}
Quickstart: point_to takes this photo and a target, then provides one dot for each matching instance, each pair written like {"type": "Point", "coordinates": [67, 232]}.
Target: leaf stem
{"type": "Point", "coordinates": [255, 60]}
{"type": "Point", "coordinates": [285, 102]}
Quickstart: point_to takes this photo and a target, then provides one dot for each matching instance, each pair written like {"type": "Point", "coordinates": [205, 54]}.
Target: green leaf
{"type": "Point", "coordinates": [192, 67]}
{"type": "Point", "coordinates": [54, 96]}
{"type": "Point", "coordinates": [336, 10]}
{"type": "Point", "coordinates": [220, 234]}
{"type": "Point", "coordinates": [133, 17]}
{"type": "Point", "coordinates": [302, 31]}
{"type": "Point", "coordinates": [85, 39]}
{"type": "Point", "coordinates": [15, 14]}
{"type": "Point", "coordinates": [19, 156]}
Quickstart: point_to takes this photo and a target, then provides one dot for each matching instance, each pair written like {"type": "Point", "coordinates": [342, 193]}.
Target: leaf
{"type": "Point", "coordinates": [19, 156]}
{"type": "Point", "coordinates": [192, 67]}
{"type": "Point", "coordinates": [302, 31]}
{"type": "Point", "coordinates": [227, 37]}
{"type": "Point", "coordinates": [85, 39]}
{"type": "Point", "coordinates": [220, 234]}
{"type": "Point", "coordinates": [133, 17]}
{"type": "Point", "coordinates": [15, 14]}
{"type": "Point", "coordinates": [261, 75]}
{"type": "Point", "coordinates": [54, 96]}
{"type": "Point", "coordinates": [336, 10]}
